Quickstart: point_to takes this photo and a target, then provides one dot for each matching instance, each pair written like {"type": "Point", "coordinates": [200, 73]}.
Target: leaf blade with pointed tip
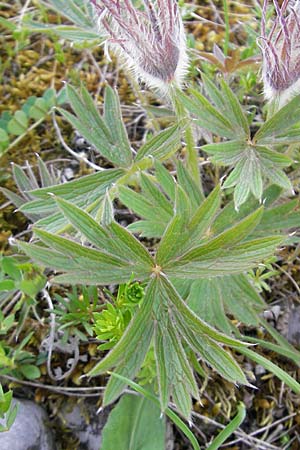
{"type": "Point", "coordinates": [114, 121]}
{"type": "Point", "coordinates": [161, 146]}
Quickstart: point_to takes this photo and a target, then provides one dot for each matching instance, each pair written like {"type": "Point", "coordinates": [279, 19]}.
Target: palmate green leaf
{"type": "Point", "coordinates": [278, 177]}
{"type": "Point", "coordinates": [229, 237]}
{"type": "Point", "coordinates": [73, 12]}
{"type": "Point", "coordinates": [228, 105]}
{"type": "Point", "coordinates": [139, 262]}
{"type": "Point", "coordinates": [213, 354]}
{"type": "Point", "coordinates": [189, 186]}
{"type": "Point", "coordinates": [204, 216]}
{"type": "Point", "coordinates": [290, 137]}
{"type": "Point", "coordinates": [280, 217]}
{"type": "Point", "coordinates": [174, 322]}
{"type": "Point", "coordinates": [206, 300]}
{"type": "Point", "coordinates": [211, 299]}
{"type": "Point", "coordinates": [155, 196]}
{"type": "Point", "coordinates": [158, 217]}
{"type": "Point", "coordinates": [251, 166]}
{"type": "Point", "coordinates": [170, 372]}
{"type": "Point", "coordinates": [147, 228]}
{"type": "Point", "coordinates": [136, 202]}
{"type": "Point", "coordinates": [113, 119]}
{"type": "Point", "coordinates": [275, 219]}
{"type": "Point", "coordinates": [150, 204]}
{"type": "Point", "coordinates": [83, 185]}
{"type": "Point", "coordinates": [201, 263]}
{"type": "Point", "coordinates": [182, 204]}
{"type": "Point", "coordinates": [69, 32]}
{"type": "Point", "coordinates": [163, 145]}
{"type": "Point", "coordinates": [271, 158]}
{"type": "Point", "coordinates": [107, 210]}
{"type": "Point", "coordinates": [200, 336]}
{"type": "Point", "coordinates": [165, 314]}
{"type": "Point", "coordinates": [244, 184]}
{"type": "Point", "coordinates": [101, 276]}
{"type": "Point", "coordinates": [132, 247]}
{"type": "Point", "coordinates": [113, 238]}
{"type": "Point", "coordinates": [166, 180]}
{"type": "Point", "coordinates": [82, 192]}
{"type": "Point", "coordinates": [127, 423]}
{"type": "Point", "coordinates": [83, 264]}
{"type": "Point", "coordinates": [228, 216]}
{"type": "Point", "coordinates": [195, 323]}
{"type": "Point", "coordinates": [109, 141]}
{"type": "Point", "coordinates": [280, 123]}
{"type": "Point", "coordinates": [207, 116]}
{"type": "Point", "coordinates": [227, 119]}
{"type": "Point", "coordinates": [47, 257]}
{"type": "Point", "coordinates": [129, 369]}
{"type": "Point", "coordinates": [173, 367]}
{"type": "Point", "coordinates": [185, 229]}
{"type": "Point", "coordinates": [173, 239]}
{"type": "Point", "coordinates": [234, 111]}
{"type": "Point", "coordinates": [227, 153]}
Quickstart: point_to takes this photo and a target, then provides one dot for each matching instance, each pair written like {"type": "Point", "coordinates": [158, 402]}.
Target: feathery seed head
{"type": "Point", "coordinates": [150, 39]}
{"type": "Point", "coordinates": [281, 51]}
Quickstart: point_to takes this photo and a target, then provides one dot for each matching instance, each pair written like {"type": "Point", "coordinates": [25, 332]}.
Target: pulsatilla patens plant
{"type": "Point", "coordinates": [150, 39]}
{"type": "Point", "coordinates": [256, 158]}
{"type": "Point", "coordinates": [281, 52]}
{"type": "Point", "coordinates": [187, 251]}
{"type": "Point", "coordinates": [197, 245]}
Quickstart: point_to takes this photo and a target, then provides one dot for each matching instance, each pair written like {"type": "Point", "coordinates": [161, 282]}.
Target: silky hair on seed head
{"type": "Point", "coordinates": [281, 52]}
{"type": "Point", "coordinates": [150, 40]}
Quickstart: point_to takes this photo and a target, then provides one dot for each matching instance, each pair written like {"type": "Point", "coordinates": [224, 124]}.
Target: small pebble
{"type": "Point", "coordinates": [259, 370]}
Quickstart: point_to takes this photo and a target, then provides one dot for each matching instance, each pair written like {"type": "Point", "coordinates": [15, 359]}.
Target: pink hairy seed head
{"type": "Point", "coordinates": [281, 51]}
{"type": "Point", "coordinates": [151, 40]}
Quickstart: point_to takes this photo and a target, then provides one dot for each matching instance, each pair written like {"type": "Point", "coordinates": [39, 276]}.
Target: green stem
{"type": "Point", "coordinates": [191, 151]}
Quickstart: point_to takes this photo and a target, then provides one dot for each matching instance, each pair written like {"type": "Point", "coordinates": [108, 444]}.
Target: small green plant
{"type": "Point", "coordinates": [22, 276]}
{"type": "Point", "coordinates": [13, 127]}
{"type": "Point", "coordinates": [75, 312]}
{"type": "Point", "coordinates": [20, 283]}
{"type": "Point", "coordinates": [18, 362]}
{"type": "Point", "coordinates": [111, 323]}
{"type": "Point", "coordinates": [262, 273]}
{"type": "Point", "coordinates": [8, 411]}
